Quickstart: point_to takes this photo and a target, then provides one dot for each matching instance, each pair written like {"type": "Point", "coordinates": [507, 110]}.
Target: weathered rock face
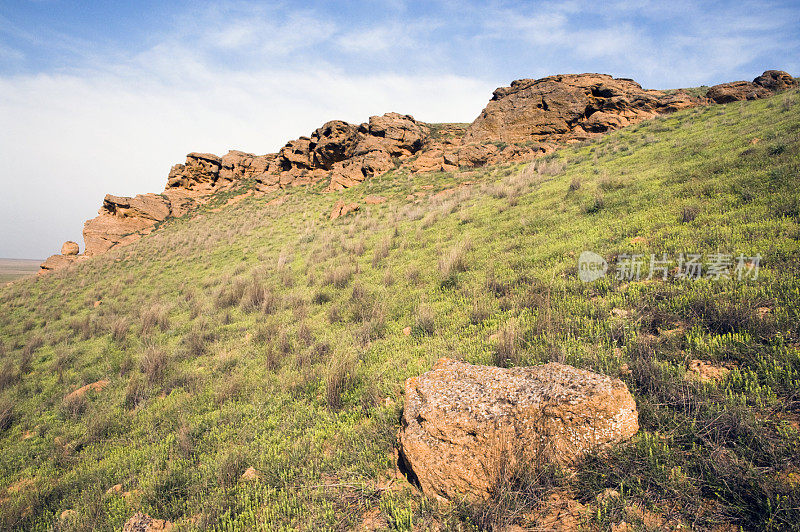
{"type": "Point", "coordinates": [528, 119]}
{"type": "Point", "coordinates": [735, 91]}
{"type": "Point", "coordinates": [56, 262]}
{"type": "Point", "coordinates": [70, 248]}
{"type": "Point", "coordinates": [124, 220]}
{"type": "Point", "coordinates": [562, 108]}
{"type": "Point", "coordinates": [345, 153]}
{"type": "Point", "coordinates": [763, 86]}
{"type": "Point", "coordinates": [776, 80]}
{"type": "Point", "coordinates": [460, 420]}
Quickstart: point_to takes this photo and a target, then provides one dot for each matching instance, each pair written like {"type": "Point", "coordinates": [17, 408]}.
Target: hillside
{"type": "Point", "coordinates": [263, 334]}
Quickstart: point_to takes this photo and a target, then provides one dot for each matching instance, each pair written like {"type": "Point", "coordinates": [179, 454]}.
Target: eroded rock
{"type": "Point", "coordinates": [141, 522]}
{"type": "Point", "coordinates": [765, 85]}
{"type": "Point", "coordinates": [561, 108]}
{"type": "Point", "coordinates": [460, 420]}
{"type": "Point", "coordinates": [70, 248]}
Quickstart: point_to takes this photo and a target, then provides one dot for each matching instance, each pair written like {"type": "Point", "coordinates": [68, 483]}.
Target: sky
{"type": "Point", "coordinates": [104, 97]}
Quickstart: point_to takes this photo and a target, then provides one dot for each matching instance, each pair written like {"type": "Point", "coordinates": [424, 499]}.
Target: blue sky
{"type": "Point", "coordinates": [103, 97]}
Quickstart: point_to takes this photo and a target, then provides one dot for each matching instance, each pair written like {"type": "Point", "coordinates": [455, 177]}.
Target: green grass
{"type": "Point", "coordinates": [269, 336]}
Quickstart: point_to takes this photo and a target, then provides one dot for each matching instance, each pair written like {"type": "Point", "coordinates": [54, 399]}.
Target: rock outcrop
{"type": "Point", "coordinates": [69, 255]}
{"type": "Point", "coordinates": [123, 220]}
{"type": "Point", "coordinates": [461, 422]}
{"type": "Point", "coordinates": [345, 154]}
{"type": "Point", "coordinates": [569, 107]}
{"type": "Point", "coordinates": [530, 118]}
{"type": "Point", "coordinates": [765, 85]}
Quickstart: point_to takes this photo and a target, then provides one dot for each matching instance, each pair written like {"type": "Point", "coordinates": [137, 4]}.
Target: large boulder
{"type": "Point", "coordinates": [776, 80]}
{"type": "Point", "coordinates": [765, 85]}
{"type": "Point", "coordinates": [561, 108]}
{"type": "Point", "coordinates": [461, 421]}
{"type": "Point", "coordinates": [736, 91]}
{"type": "Point", "coordinates": [70, 248]}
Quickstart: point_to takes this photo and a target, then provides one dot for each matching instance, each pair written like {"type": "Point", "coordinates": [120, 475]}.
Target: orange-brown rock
{"type": "Point", "coordinates": [374, 200]}
{"type": "Point", "coordinates": [342, 209]}
{"type": "Point", "coordinates": [141, 522]}
{"type": "Point", "coordinates": [83, 390]}
{"type": "Point", "coordinates": [57, 262]}
{"type": "Point", "coordinates": [459, 420]}
{"type": "Point", "coordinates": [70, 248]}
{"type": "Point", "coordinates": [200, 172]}
{"type": "Point", "coordinates": [776, 80]}
{"type": "Point", "coordinates": [735, 91]}
{"type": "Point", "coordinates": [561, 108]}
{"type": "Point", "coordinates": [763, 86]}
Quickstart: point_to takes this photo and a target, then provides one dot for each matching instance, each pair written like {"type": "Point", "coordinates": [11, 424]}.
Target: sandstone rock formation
{"type": "Point", "coordinates": [530, 118]}
{"type": "Point", "coordinates": [461, 420]}
{"type": "Point", "coordinates": [123, 220]}
{"type": "Point", "coordinates": [344, 153]}
{"type": "Point", "coordinates": [70, 248]}
{"type": "Point", "coordinates": [569, 107]}
{"type": "Point", "coordinates": [763, 86]}
{"type": "Point", "coordinates": [56, 262]}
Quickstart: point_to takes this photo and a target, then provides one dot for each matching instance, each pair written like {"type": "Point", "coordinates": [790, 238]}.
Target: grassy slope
{"type": "Point", "coordinates": [269, 336]}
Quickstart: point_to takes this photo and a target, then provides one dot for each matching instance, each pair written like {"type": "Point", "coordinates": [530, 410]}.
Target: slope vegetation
{"type": "Point", "coordinates": [264, 335]}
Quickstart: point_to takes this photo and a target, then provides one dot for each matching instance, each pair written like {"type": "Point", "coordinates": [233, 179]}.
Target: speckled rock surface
{"type": "Point", "coordinates": [460, 420]}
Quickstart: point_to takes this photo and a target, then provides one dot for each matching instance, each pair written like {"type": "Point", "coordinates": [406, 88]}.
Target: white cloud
{"type": "Point", "coordinates": [67, 140]}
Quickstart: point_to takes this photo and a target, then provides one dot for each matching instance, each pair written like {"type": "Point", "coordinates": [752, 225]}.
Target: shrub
{"type": "Point", "coordinates": [425, 320]}
{"type": "Point", "coordinates": [339, 377]}
{"type": "Point", "coordinates": [481, 310]}
{"type": "Point", "coordinates": [454, 260]}
{"type": "Point", "coordinates": [153, 363]}
{"type": "Point", "coordinates": [339, 276]}
{"type": "Point", "coordinates": [575, 184]}
{"type": "Point", "coordinates": [155, 316]}
{"type": "Point", "coordinates": [595, 205]}
{"type": "Point", "coordinates": [688, 214]}
{"type": "Point", "coordinates": [119, 329]}
{"type": "Point", "coordinates": [507, 350]}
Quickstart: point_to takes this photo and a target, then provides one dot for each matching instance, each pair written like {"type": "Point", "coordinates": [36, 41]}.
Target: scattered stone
{"type": "Point", "coordinates": [559, 512]}
{"type": "Point", "coordinates": [116, 489]}
{"type": "Point", "coordinates": [705, 371]}
{"type": "Point", "coordinates": [342, 209]}
{"type": "Point", "coordinates": [67, 515]}
{"type": "Point", "coordinates": [407, 331]}
{"type": "Point", "coordinates": [374, 200]}
{"type": "Point", "coordinates": [83, 390]}
{"type": "Point", "coordinates": [141, 522]}
{"type": "Point", "coordinates": [460, 419]}
{"type": "Point", "coordinates": [250, 474]}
